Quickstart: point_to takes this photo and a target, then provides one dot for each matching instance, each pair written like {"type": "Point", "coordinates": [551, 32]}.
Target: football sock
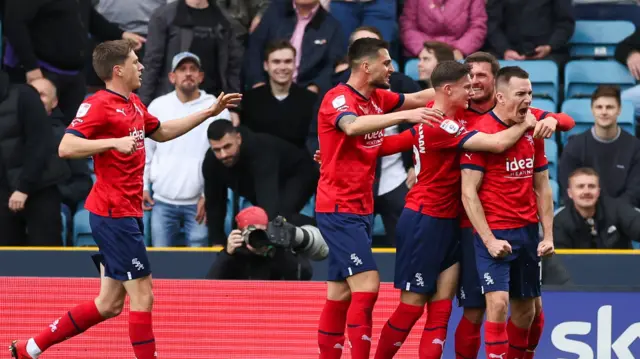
{"type": "Point", "coordinates": [496, 341]}
{"type": "Point", "coordinates": [396, 330]}
{"type": "Point", "coordinates": [141, 335]}
{"type": "Point", "coordinates": [331, 329]}
{"type": "Point", "coordinates": [359, 322]}
{"type": "Point", "coordinates": [435, 330]}
{"type": "Point", "coordinates": [518, 338]}
{"type": "Point", "coordinates": [467, 339]}
{"type": "Point", "coordinates": [534, 335]}
{"type": "Point", "coordinates": [74, 322]}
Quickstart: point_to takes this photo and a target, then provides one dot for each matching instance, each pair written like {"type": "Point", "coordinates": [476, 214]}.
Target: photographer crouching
{"type": "Point", "coordinates": [268, 250]}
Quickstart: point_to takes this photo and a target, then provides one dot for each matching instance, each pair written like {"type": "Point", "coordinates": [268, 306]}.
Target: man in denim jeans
{"type": "Point", "coordinates": [174, 185]}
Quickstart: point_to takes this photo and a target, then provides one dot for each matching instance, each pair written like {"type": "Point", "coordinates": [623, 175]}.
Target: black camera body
{"type": "Point", "coordinates": [305, 240]}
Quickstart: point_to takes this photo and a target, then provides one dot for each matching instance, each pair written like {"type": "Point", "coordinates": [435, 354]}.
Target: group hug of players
{"type": "Point", "coordinates": [471, 222]}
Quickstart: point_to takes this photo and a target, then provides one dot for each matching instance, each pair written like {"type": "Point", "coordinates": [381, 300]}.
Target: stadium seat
{"type": "Point", "coordinates": [555, 189]}
{"type": "Point", "coordinates": [544, 104]}
{"type": "Point", "coordinates": [411, 69]}
{"type": "Point", "coordinates": [396, 67]}
{"type": "Point", "coordinates": [580, 110]}
{"type": "Point", "coordinates": [593, 38]}
{"type": "Point", "coordinates": [551, 150]}
{"type": "Point", "coordinates": [146, 221]}
{"type": "Point", "coordinates": [310, 208]}
{"type": "Point", "coordinates": [64, 214]}
{"type": "Point", "coordinates": [228, 221]}
{"type": "Point", "coordinates": [378, 226]}
{"type": "Point", "coordinates": [582, 77]}
{"type": "Point", "coordinates": [82, 235]}
{"type": "Point", "coordinates": [543, 75]}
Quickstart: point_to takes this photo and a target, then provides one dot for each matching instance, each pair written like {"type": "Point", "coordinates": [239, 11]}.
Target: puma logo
{"type": "Point", "coordinates": [468, 155]}
{"type": "Point", "coordinates": [501, 356]}
{"type": "Point", "coordinates": [120, 110]}
{"type": "Point", "coordinates": [438, 342]}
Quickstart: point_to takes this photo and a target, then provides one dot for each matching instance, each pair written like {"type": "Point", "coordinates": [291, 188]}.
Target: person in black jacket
{"type": "Point", "coordinates": [267, 171]}
{"type": "Point", "coordinates": [30, 170]}
{"type": "Point", "coordinates": [238, 260]}
{"type": "Point", "coordinates": [612, 152]}
{"type": "Point", "coordinates": [77, 186]}
{"type": "Point", "coordinates": [591, 221]}
{"type": "Point", "coordinates": [49, 38]}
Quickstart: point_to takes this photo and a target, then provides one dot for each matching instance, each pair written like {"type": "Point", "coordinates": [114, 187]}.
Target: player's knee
{"type": "Point", "coordinates": [110, 308]}
{"type": "Point", "coordinates": [338, 291]}
{"type": "Point", "coordinates": [522, 312]}
{"type": "Point", "coordinates": [142, 301]}
{"type": "Point", "coordinates": [365, 282]}
{"type": "Point", "coordinates": [498, 305]}
{"type": "Point", "coordinates": [538, 306]}
{"type": "Point", "coordinates": [474, 315]}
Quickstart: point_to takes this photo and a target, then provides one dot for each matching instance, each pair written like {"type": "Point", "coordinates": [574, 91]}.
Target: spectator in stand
{"type": "Point", "coordinates": [314, 33]}
{"type": "Point", "coordinates": [50, 39]}
{"type": "Point", "coordinates": [30, 170]}
{"type": "Point", "coordinates": [267, 171]}
{"type": "Point", "coordinates": [77, 186]}
{"type": "Point", "coordinates": [197, 26]}
{"type": "Point", "coordinates": [530, 29]}
{"type": "Point", "coordinates": [591, 221]}
{"type": "Point", "coordinates": [280, 108]}
{"type": "Point", "coordinates": [245, 15]}
{"type": "Point", "coordinates": [462, 24]}
{"type": "Point", "coordinates": [612, 152]}
{"type": "Point", "coordinates": [380, 14]}
{"type": "Point", "coordinates": [628, 54]}
{"type": "Point", "coordinates": [174, 186]}
{"type": "Point", "coordinates": [431, 55]}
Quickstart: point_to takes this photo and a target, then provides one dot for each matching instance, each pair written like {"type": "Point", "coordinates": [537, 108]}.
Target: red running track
{"type": "Point", "coordinates": [195, 319]}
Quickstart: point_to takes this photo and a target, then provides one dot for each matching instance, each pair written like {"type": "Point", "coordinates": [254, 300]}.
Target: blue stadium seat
{"type": "Point", "coordinates": [82, 236]}
{"type": "Point", "coordinates": [555, 189]}
{"type": "Point", "coordinates": [544, 104]}
{"type": "Point", "coordinates": [580, 110]}
{"type": "Point", "coordinates": [411, 69]}
{"type": "Point", "coordinates": [228, 221]}
{"type": "Point", "coordinates": [310, 208]}
{"type": "Point", "coordinates": [64, 214]}
{"type": "Point", "coordinates": [551, 150]}
{"type": "Point", "coordinates": [593, 38]}
{"type": "Point", "coordinates": [396, 67]}
{"type": "Point", "coordinates": [146, 222]}
{"type": "Point", "coordinates": [543, 75]}
{"type": "Point", "coordinates": [378, 226]}
{"type": "Point", "coordinates": [582, 77]}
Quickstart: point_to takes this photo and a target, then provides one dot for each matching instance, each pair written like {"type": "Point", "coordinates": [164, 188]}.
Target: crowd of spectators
{"type": "Point", "coordinates": [283, 55]}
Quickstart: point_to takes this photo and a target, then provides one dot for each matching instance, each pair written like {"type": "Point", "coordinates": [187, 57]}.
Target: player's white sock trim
{"type": "Point", "coordinates": [32, 349]}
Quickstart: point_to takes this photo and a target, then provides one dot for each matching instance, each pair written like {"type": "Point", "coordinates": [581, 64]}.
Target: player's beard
{"type": "Point", "coordinates": [480, 100]}
{"type": "Point", "coordinates": [381, 84]}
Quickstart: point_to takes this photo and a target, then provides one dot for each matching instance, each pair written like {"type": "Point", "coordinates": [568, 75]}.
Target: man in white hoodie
{"type": "Point", "coordinates": [174, 186]}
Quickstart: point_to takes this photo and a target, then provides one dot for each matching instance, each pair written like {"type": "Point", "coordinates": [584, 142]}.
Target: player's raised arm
{"type": "Point", "coordinates": [549, 123]}
{"type": "Point", "coordinates": [402, 142]}
{"type": "Point", "coordinates": [471, 181]}
{"type": "Point", "coordinates": [353, 125]}
{"type": "Point", "coordinates": [501, 141]}
{"type": "Point", "coordinates": [178, 127]}
{"type": "Point", "coordinates": [417, 99]}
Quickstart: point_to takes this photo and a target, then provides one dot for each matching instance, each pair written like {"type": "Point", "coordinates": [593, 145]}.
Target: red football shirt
{"type": "Point", "coordinates": [507, 192]}
{"type": "Point", "coordinates": [348, 162]}
{"type": "Point", "coordinates": [118, 188]}
{"type": "Point", "coordinates": [436, 162]}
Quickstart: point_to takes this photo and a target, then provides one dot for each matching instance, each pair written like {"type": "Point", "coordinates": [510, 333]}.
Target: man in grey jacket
{"type": "Point", "coordinates": [197, 26]}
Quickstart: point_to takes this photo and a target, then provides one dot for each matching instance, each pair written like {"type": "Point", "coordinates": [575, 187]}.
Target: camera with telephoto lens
{"type": "Point", "coordinates": [305, 240]}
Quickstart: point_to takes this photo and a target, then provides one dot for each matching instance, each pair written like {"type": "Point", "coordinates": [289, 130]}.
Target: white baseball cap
{"type": "Point", "coordinates": [186, 55]}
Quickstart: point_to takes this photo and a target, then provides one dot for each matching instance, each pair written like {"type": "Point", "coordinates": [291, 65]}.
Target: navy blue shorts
{"type": "Point", "coordinates": [349, 239]}
{"type": "Point", "coordinates": [469, 291]}
{"type": "Point", "coordinates": [425, 247]}
{"type": "Point", "coordinates": [520, 273]}
{"type": "Point", "coordinates": [121, 246]}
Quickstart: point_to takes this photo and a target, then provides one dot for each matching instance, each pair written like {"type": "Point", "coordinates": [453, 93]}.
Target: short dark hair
{"type": "Point", "coordinates": [484, 57]}
{"type": "Point", "coordinates": [606, 91]}
{"type": "Point", "coordinates": [219, 128]}
{"type": "Point", "coordinates": [109, 54]}
{"type": "Point", "coordinates": [506, 73]}
{"type": "Point", "coordinates": [441, 51]}
{"type": "Point", "coordinates": [371, 29]}
{"type": "Point", "coordinates": [365, 47]}
{"type": "Point", "coordinates": [447, 72]}
{"type": "Point", "coordinates": [276, 45]}
{"type": "Point", "coordinates": [583, 171]}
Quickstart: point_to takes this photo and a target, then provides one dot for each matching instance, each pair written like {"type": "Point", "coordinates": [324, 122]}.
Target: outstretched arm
{"type": "Point", "coordinates": [402, 142]}
{"type": "Point", "coordinates": [354, 125]}
{"type": "Point", "coordinates": [417, 99]}
{"type": "Point", "coordinates": [496, 142]}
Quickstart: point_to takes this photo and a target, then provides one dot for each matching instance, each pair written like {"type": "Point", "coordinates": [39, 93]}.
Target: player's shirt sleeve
{"type": "Point", "coordinates": [449, 135]}
{"type": "Point", "coordinates": [336, 106]}
{"type": "Point", "coordinates": [540, 162]}
{"type": "Point", "coordinates": [473, 161]}
{"type": "Point", "coordinates": [565, 122]}
{"type": "Point", "coordinates": [88, 120]}
{"type": "Point", "coordinates": [402, 142]}
{"type": "Point", "coordinates": [390, 101]}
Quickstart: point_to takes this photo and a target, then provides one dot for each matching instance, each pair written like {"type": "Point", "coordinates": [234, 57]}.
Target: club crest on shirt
{"type": "Point", "coordinates": [83, 109]}
{"type": "Point", "coordinates": [529, 138]}
{"type": "Point", "coordinates": [450, 127]}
